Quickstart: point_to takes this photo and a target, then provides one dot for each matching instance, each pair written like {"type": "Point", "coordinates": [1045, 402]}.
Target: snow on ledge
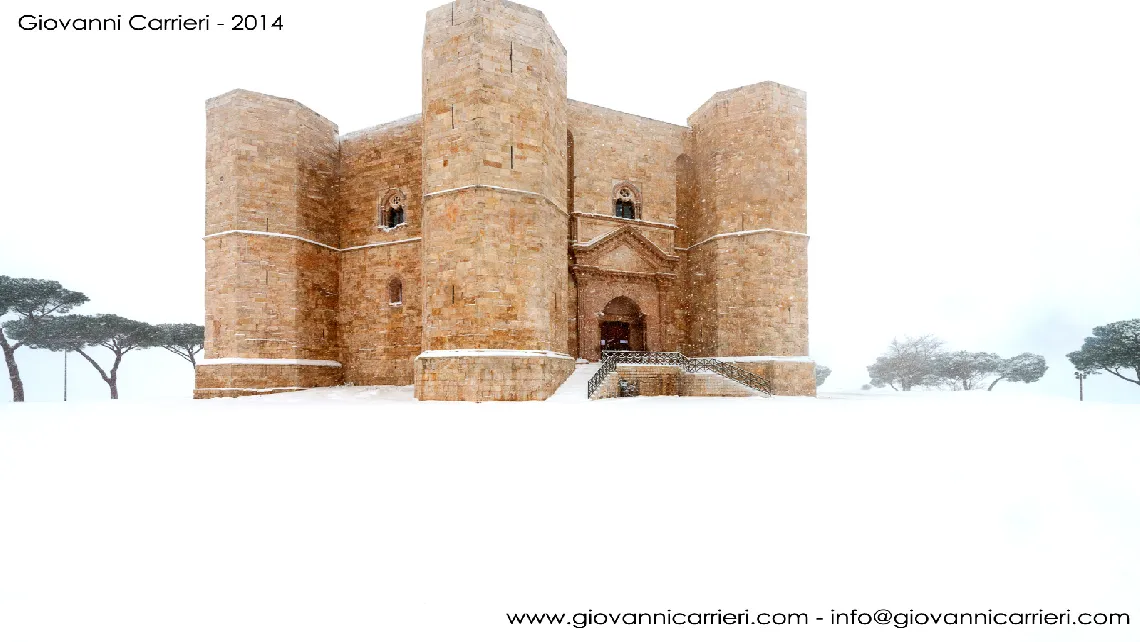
{"type": "Point", "coordinates": [273, 234]}
{"type": "Point", "coordinates": [412, 239]}
{"type": "Point", "coordinates": [767, 358]}
{"type": "Point", "coordinates": [243, 361]}
{"type": "Point", "coordinates": [483, 186]}
{"type": "Point", "coordinates": [301, 238]}
{"type": "Point", "coordinates": [766, 230]}
{"type": "Point", "coordinates": [288, 389]}
{"type": "Point", "coordinates": [435, 354]}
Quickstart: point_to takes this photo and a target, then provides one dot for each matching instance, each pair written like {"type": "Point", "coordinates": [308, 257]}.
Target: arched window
{"type": "Point", "coordinates": [395, 292]}
{"type": "Point", "coordinates": [392, 209]}
{"type": "Point", "coordinates": [627, 201]}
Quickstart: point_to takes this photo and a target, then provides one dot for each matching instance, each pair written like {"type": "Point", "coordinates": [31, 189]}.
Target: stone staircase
{"type": "Point", "coordinates": [671, 374]}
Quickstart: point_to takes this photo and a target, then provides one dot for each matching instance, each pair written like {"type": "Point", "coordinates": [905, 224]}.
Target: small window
{"type": "Point", "coordinates": [623, 209]}
{"type": "Point", "coordinates": [395, 292]}
{"type": "Point", "coordinates": [626, 202]}
{"type": "Point", "coordinates": [395, 216]}
{"type": "Point", "coordinates": [392, 210]}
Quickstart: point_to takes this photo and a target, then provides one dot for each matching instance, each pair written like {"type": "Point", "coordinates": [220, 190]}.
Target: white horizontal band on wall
{"type": "Point", "coordinates": [301, 238]}
{"type": "Point", "coordinates": [475, 352]}
{"type": "Point", "coordinates": [741, 233]}
{"type": "Point", "coordinates": [633, 221]}
{"type": "Point", "coordinates": [246, 361]}
{"type": "Point", "coordinates": [763, 358]}
{"type": "Point", "coordinates": [289, 389]}
{"type": "Point", "coordinates": [509, 190]}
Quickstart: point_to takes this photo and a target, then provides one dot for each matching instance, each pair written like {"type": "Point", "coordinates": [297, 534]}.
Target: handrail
{"type": "Point", "coordinates": [609, 364]}
{"type": "Point", "coordinates": [611, 359]}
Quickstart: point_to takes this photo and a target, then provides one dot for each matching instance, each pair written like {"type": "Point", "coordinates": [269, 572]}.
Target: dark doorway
{"type": "Point", "coordinates": [622, 326]}
{"type": "Point", "coordinates": [615, 335]}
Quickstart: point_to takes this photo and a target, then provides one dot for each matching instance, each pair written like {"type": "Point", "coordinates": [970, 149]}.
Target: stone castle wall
{"type": "Point", "coordinates": [494, 159]}
{"type": "Point", "coordinates": [271, 174]}
{"type": "Point", "coordinates": [379, 337]}
{"type": "Point", "coordinates": [748, 248]}
{"type": "Point", "coordinates": [509, 240]}
{"type": "Point", "coordinates": [611, 147]}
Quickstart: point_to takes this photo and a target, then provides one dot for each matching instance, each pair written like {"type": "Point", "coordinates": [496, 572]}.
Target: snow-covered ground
{"type": "Point", "coordinates": [358, 513]}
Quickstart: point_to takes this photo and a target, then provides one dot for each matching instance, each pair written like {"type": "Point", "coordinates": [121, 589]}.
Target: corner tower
{"type": "Point", "coordinates": [494, 218]}
{"type": "Point", "coordinates": [271, 263]}
{"type": "Point", "coordinates": [750, 241]}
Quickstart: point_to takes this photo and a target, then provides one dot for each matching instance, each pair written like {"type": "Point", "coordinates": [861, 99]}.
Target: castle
{"type": "Point", "coordinates": [480, 248]}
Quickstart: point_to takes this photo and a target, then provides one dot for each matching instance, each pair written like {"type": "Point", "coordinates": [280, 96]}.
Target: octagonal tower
{"type": "Point", "coordinates": [494, 217]}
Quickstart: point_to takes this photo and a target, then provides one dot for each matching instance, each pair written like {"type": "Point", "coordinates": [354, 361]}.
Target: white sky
{"type": "Point", "coordinates": [972, 167]}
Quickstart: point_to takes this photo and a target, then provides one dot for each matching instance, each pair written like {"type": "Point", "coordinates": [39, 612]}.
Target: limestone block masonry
{"type": "Point", "coordinates": [478, 248]}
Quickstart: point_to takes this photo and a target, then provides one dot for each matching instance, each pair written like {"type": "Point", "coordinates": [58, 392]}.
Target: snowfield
{"type": "Point", "coordinates": [350, 514]}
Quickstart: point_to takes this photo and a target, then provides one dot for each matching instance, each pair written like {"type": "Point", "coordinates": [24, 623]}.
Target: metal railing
{"type": "Point", "coordinates": [611, 359]}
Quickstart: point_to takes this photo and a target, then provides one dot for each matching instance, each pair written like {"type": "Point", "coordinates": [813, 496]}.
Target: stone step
{"type": "Point", "coordinates": [662, 380]}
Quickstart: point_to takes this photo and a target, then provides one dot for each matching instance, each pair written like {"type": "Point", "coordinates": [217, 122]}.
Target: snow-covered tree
{"type": "Point", "coordinates": [31, 300]}
{"type": "Point", "coordinates": [907, 363]}
{"type": "Point", "coordinates": [1114, 348]}
{"type": "Point", "coordinates": [821, 374]}
{"type": "Point", "coordinates": [967, 370]}
{"type": "Point", "coordinates": [1025, 367]}
{"type": "Point", "coordinates": [183, 339]}
{"type": "Point", "coordinates": [79, 333]}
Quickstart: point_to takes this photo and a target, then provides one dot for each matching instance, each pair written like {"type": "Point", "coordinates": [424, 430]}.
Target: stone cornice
{"type": "Point", "coordinates": [741, 233]}
{"type": "Point", "coordinates": [625, 221]}
{"type": "Point", "coordinates": [598, 245]}
{"type": "Point", "coordinates": [641, 276]}
{"type": "Point", "coordinates": [318, 243]}
{"type": "Point", "coordinates": [509, 190]}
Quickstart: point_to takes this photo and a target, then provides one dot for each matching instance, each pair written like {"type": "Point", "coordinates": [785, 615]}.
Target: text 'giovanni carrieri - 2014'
{"type": "Point", "coordinates": [139, 22]}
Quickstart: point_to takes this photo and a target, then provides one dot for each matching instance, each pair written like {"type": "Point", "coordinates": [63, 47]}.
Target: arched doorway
{"type": "Point", "coordinates": [622, 325]}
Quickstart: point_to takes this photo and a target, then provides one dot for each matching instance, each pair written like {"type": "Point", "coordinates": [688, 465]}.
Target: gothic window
{"type": "Point", "coordinates": [395, 292]}
{"type": "Point", "coordinates": [392, 209]}
{"type": "Point", "coordinates": [626, 202]}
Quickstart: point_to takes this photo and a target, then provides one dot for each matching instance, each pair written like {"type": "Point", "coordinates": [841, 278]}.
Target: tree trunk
{"type": "Point", "coordinates": [113, 381]}
{"type": "Point", "coordinates": [13, 370]}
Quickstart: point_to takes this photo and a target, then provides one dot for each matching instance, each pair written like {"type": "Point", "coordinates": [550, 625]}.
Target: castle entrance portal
{"type": "Point", "coordinates": [622, 325]}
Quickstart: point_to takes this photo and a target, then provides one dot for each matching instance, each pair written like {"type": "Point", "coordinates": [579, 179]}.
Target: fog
{"type": "Point", "coordinates": [972, 171]}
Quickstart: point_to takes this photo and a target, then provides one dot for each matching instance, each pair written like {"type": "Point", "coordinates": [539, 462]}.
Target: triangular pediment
{"type": "Point", "coordinates": [624, 250]}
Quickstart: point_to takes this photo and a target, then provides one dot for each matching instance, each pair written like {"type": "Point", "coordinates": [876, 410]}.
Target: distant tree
{"type": "Point", "coordinates": [966, 370]}
{"type": "Point", "coordinates": [183, 339]}
{"type": "Point", "coordinates": [1025, 367]}
{"type": "Point", "coordinates": [1113, 347]}
{"type": "Point", "coordinates": [31, 300]}
{"type": "Point", "coordinates": [821, 374]}
{"type": "Point", "coordinates": [907, 363]}
{"type": "Point", "coordinates": [79, 333]}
